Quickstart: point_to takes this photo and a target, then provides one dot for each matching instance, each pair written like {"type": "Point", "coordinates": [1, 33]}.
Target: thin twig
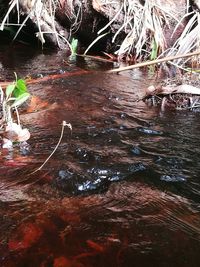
{"type": "Point", "coordinates": [61, 136]}
{"type": "Point", "coordinates": [152, 62]}
{"type": "Point", "coordinates": [18, 119]}
{"type": "Point", "coordinates": [96, 58]}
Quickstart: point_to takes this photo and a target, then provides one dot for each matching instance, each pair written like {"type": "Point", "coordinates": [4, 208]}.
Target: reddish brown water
{"type": "Point", "coordinates": [122, 190]}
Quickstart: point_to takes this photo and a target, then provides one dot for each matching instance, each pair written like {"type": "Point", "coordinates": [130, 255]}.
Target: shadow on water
{"type": "Point", "coordinates": [122, 190]}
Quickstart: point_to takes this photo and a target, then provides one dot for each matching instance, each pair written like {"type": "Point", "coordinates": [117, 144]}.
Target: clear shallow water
{"type": "Point", "coordinates": [122, 190]}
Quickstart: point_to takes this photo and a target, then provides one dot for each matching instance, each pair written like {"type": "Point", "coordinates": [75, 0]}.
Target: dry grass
{"type": "Point", "coordinates": [42, 14]}
{"type": "Point", "coordinates": [189, 39]}
{"type": "Point", "coordinates": [144, 26]}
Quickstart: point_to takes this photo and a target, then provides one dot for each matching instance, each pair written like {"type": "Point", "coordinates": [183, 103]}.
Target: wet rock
{"type": "Point", "coordinates": [109, 174]}
{"type": "Point", "coordinates": [65, 174]}
{"type": "Point", "coordinates": [103, 173]}
{"type": "Point", "coordinates": [172, 161]}
{"type": "Point", "coordinates": [173, 178]}
{"type": "Point", "coordinates": [137, 167]}
{"type": "Point", "coordinates": [83, 154]}
{"type": "Point", "coordinates": [24, 148]}
{"type": "Point", "coordinates": [171, 167]}
{"type": "Point", "coordinates": [89, 185]}
{"type": "Point", "coordinates": [149, 131]}
{"type": "Point", "coordinates": [95, 178]}
{"type": "Point", "coordinates": [109, 130]}
{"type": "Point", "coordinates": [123, 116]}
{"type": "Point", "coordinates": [123, 127]}
{"type": "Point", "coordinates": [116, 176]}
{"type": "Point", "coordinates": [99, 179]}
{"type": "Point", "coordinates": [135, 151]}
{"type": "Point", "coordinates": [66, 181]}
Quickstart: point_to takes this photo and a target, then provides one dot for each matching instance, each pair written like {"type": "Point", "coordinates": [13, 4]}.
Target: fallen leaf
{"type": "Point", "coordinates": [26, 236]}
{"type": "Point", "coordinates": [62, 262]}
{"type": "Point", "coordinates": [95, 246]}
{"type": "Point", "coordinates": [23, 135]}
{"type": "Point", "coordinates": [14, 132]}
{"type": "Point", "coordinates": [7, 143]}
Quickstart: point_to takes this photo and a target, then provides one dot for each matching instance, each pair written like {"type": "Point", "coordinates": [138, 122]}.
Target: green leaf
{"type": "Point", "coordinates": [74, 45]}
{"type": "Point", "coordinates": [20, 100]}
{"type": "Point", "coordinates": [20, 88]}
{"type": "Point", "coordinates": [9, 89]}
{"type": "Point", "coordinates": [154, 51]}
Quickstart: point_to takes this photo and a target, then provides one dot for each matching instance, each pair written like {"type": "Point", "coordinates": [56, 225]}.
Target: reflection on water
{"type": "Point", "coordinates": [122, 190]}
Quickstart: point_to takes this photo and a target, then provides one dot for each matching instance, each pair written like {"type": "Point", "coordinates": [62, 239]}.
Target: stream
{"type": "Point", "coordinates": [123, 187]}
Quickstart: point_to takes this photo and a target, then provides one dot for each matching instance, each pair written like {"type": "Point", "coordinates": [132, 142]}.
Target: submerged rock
{"type": "Point", "coordinates": [173, 178]}
{"type": "Point", "coordinates": [149, 131]}
{"type": "Point", "coordinates": [96, 178]}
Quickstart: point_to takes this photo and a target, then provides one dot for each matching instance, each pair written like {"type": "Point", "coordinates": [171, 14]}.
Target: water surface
{"type": "Point", "coordinates": [122, 189]}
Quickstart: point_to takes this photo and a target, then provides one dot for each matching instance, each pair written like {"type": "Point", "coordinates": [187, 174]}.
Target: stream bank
{"type": "Point", "coordinates": [113, 27]}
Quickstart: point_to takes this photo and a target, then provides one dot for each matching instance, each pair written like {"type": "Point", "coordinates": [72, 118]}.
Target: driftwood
{"type": "Point", "coordinates": [153, 62]}
{"type": "Point", "coordinates": [179, 97]}
{"type": "Point", "coordinates": [167, 90]}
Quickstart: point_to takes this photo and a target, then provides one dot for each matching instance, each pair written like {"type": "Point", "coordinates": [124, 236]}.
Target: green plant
{"type": "Point", "coordinates": [13, 97]}
{"type": "Point", "coordinates": [74, 46]}
{"type": "Point", "coordinates": [154, 50]}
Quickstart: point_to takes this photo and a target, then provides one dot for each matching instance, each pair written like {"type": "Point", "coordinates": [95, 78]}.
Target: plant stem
{"type": "Point", "coordinates": [61, 136]}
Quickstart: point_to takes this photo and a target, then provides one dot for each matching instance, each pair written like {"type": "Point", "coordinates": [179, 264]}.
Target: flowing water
{"type": "Point", "coordinates": [123, 187]}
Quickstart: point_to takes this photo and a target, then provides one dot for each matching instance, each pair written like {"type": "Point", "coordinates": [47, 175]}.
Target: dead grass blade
{"type": "Point", "coordinates": [152, 62]}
